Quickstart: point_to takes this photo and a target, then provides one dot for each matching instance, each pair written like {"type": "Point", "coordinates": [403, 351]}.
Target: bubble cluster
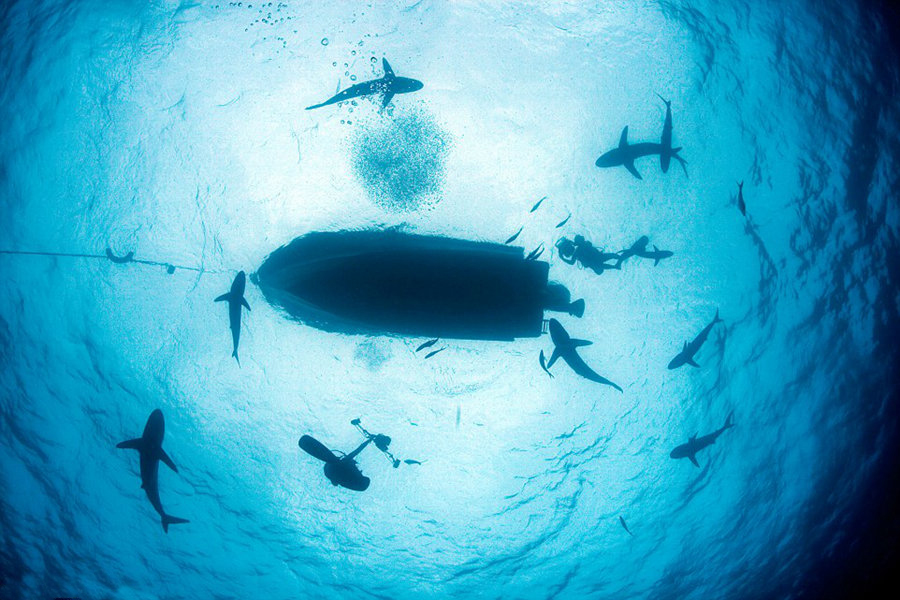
{"type": "Point", "coordinates": [400, 160]}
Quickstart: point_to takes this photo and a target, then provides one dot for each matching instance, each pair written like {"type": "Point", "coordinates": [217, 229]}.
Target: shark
{"type": "Point", "coordinates": [387, 86]}
{"type": "Point", "coordinates": [149, 445]}
{"type": "Point", "coordinates": [566, 348]}
{"type": "Point", "coordinates": [236, 300]}
{"type": "Point", "coordinates": [695, 444]}
{"type": "Point", "coordinates": [686, 356]}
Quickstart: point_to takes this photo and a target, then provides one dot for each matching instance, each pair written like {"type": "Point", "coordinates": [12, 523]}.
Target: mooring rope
{"type": "Point", "coordinates": [119, 260]}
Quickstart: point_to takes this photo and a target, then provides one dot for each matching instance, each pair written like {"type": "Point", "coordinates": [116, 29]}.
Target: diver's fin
{"type": "Point", "coordinates": [693, 458]}
{"type": "Point", "coordinates": [170, 520]}
{"type": "Point", "coordinates": [386, 99]}
{"type": "Point", "coordinates": [165, 458]}
{"type": "Point", "coordinates": [623, 141]}
{"type": "Point", "coordinates": [223, 297]}
{"type": "Point", "coordinates": [580, 343]}
{"type": "Point", "coordinates": [135, 444]}
{"type": "Point", "coordinates": [631, 168]}
{"type": "Point", "coordinates": [244, 302]}
{"type": "Point", "coordinates": [388, 71]}
{"type": "Point", "coordinates": [576, 309]}
{"type": "Point", "coordinates": [691, 362]}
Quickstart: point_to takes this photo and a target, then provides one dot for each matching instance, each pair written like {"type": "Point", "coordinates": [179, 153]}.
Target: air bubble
{"type": "Point", "coordinates": [324, 41]}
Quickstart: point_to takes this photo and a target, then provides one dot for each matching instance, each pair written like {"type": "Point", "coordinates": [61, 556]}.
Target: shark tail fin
{"type": "Point", "coordinates": [170, 520]}
{"type": "Point", "coordinates": [576, 309]}
{"type": "Point", "coordinates": [235, 355]}
{"type": "Point", "coordinates": [729, 422]}
{"type": "Point", "coordinates": [666, 102]}
{"type": "Point", "coordinates": [717, 319]}
{"type": "Point", "coordinates": [135, 444]}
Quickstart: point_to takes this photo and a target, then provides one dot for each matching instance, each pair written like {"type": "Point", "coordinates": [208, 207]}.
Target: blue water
{"type": "Point", "coordinates": [177, 131]}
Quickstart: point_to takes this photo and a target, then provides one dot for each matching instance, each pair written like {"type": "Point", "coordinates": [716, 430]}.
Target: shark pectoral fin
{"type": "Point", "coordinates": [223, 297]}
{"type": "Point", "coordinates": [553, 357]}
{"type": "Point", "coordinates": [165, 458]}
{"type": "Point", "coordinates": [693, 458]}
{"type": "Point", "coordinates": [656, 262]}
{"type": "Point", "coordinates": [580, 343]}
{"type": "Point", "coordinates": [631, 169]}
{"type": "Point", "coordinates": [691, 362]}
{"type": "Point", "coordinates": [244, 302]}
{"type": "Point", "coordinates": [135, 444]}
{"type": "Point", "coordinates": [623, 140]}
{"type": "Point", "coordinates": [388, 71]}
{"type": "Point", "coordinates": [386, 99]}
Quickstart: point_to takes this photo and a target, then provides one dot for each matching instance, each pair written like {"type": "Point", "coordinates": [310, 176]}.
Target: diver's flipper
{"type": "Point", "coordinates": [315, 448]}
{"type": "Point", "coordinates": [693, 458]}
{"type": "Point", "coordinates": [165, 458]}
{"type": "Point", "coordinates": [631, 169]}
{"type": "Point", "coordinates": [576, 309]}
{"type": "Point", "coordinates": [223, 297]}
{"type": "Point", "coordinates": [135, 444]}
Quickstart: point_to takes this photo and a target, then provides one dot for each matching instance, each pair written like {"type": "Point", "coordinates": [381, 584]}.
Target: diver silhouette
{"type": "Point", "coordinates": [583, 252]}
{"type": "Point", "coordinates": [343, 470]}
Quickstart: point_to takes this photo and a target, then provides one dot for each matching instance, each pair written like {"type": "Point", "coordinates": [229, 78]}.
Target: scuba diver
{"type": "Point", "coordinates": [342, 470]}
{"type": "Point", "coordinates": [582, 251]}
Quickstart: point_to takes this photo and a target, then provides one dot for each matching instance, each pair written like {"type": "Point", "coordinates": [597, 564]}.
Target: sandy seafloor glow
{"type": "Point", "coordinates": [177, 130]}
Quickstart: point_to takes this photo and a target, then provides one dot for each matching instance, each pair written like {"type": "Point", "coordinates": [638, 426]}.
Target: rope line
{"type": "Point", "coordinates": [119, 260]}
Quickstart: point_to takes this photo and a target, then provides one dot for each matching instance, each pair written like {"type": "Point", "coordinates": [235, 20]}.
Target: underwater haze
{"type": "Point", "coordinates": [179, 132]}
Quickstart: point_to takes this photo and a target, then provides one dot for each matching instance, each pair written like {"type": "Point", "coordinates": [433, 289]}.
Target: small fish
{"type": "Point", "coordinates": [513, 237]}
{"type": "Point", "coordinates": [741, 206]}
{"type": "Point", "coordinates": [622, 521]}
{"type": "Point", "coordinates": [457, 416]}
{"type": "Point", "coordinates": [564, 221]}
{"type": "Point", "coordinates": [410, 461]}
{"type": "Point", "coordinates": [544, 365]}
{"type": "Point", "coordinates": [535, 207]}
{"type": "Point", "coordinates": [427, 344]}
{"type": "Point", "coordinates": [535, 253]}
{"type": "Point", "coordinates": [430, 354]}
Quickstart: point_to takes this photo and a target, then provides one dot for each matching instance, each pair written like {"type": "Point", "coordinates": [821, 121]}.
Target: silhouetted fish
{"type": "Point", "coordinates": [427, 344]}
{"type": "Point", "coordinates": [741, 206]}
{"type": "Point", "coordinates": [622, 521]}
{"type": "Point", "coordinates": [535, 207]}
{"type": "Point", "coordinates": [564, 221]}
{"type": "Point", "coordinates": [544, 365]}
{"type": "Point", "coordinates": [513, 237]}
{"type": "Point", "coordinates": [535, 253]}
{"type": "Point", "coordinates": [430, 354]}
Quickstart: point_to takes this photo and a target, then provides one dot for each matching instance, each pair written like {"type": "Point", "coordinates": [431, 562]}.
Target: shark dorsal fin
{"type": "Point", "coordinates": [388, 71]}
{"type": "Point", "coordinates": [623, 141]}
